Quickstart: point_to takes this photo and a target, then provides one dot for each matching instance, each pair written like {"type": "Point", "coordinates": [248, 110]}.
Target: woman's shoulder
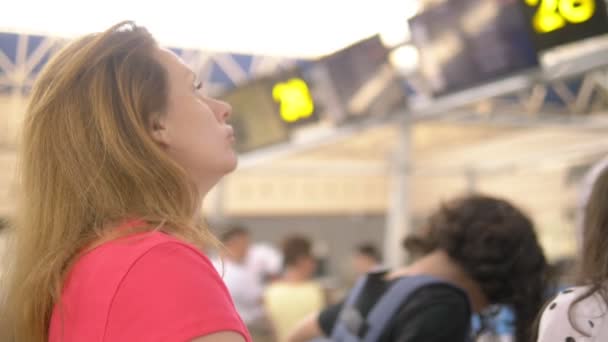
{"type": "Point", "coordinates": [568, 317]}
{"type": "Point", "coordinates": [134, 246]}
{"type": "Point", "coordinates": [174, 283]}
{"type": "Point", "coordinates": [144, 275]}
{"type": "Point", "coordinates": [113, 259]}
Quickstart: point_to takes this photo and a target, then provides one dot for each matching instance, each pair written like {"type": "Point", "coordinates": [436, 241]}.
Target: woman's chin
{"type": "Point", "coordinates": [232, 164]}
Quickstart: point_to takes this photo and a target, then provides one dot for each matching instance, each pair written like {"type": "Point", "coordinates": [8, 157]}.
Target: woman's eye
{"type": "Point", "coordinates": [198, 85]}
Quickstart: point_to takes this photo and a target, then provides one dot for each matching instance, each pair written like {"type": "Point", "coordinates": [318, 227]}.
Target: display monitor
{"type": "Point", "coordinates": [558, 22]}
{"type": "Point", "coordinates": [466, 43]}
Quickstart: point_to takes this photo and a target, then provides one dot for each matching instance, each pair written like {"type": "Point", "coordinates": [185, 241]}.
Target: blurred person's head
{"type": "Point", "coordinates": [496, 245]}
{"type": "Point", "coordinates": [236, 240]}
{"type": "Point", "coordinates": [116, 128]}
{"type": "Point", "coordinates": [298, 256]}
{"type": "Point", "coordinates": [366, 258]}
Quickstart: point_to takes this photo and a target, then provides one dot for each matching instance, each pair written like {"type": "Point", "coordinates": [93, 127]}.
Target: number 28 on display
{"type": "Point", "coordinates": [295, 100]}
{"type": "Point", "coordinates": [552, 15]}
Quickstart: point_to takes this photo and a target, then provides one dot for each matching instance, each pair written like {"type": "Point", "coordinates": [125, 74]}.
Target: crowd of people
{"type": "Point", "coordinates": [274, 287]}
{"type": "Point", "coordinates": [120, 146]}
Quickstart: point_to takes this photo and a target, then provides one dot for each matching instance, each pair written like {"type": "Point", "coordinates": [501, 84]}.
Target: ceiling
{"type": "Point", "coordinates": [260, 27]}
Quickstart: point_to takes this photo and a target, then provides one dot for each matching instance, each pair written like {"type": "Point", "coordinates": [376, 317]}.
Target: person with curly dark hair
{"type": "Point", "coordinates": [482, 250]}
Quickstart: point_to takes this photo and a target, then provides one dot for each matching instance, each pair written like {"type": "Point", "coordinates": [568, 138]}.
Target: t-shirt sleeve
{"type": "Point", "coordinates": [434, 314]}
{"type": "Point", "coordinates": [172, 293]}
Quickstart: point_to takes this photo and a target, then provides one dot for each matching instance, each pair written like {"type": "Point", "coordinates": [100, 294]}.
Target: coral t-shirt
{"type": "Point", "coordinates": [144, 287]}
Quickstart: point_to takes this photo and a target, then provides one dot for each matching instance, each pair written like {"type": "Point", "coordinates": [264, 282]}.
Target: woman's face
{"type": "Point", "coordinates": [193, 130]}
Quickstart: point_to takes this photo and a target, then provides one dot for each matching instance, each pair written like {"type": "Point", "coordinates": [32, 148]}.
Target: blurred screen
{"type": "Point", "coordinates": [464, 43]}
{"type": "Point", "coordinates": [255, 116]}
{"type": "Point", "coordinates": [293, 93]}
{"type": "Point", "coordinates": [558, 22]}
{"type": "Point", "coordinates": [362, 80]}
{"type": "Point", "coordinates": [265, 110]}
{"type": "Point", "coordinates": [351, 67]}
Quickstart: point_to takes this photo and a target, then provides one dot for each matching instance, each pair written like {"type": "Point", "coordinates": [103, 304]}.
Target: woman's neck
{"type": "Point", "coordinates": [440, 265]}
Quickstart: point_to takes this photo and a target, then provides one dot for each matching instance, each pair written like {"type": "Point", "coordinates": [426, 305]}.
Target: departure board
{"type": "Point", "coordinates": [465, 43]}
{"type": "Point", "coordinates": [557, 22]}
{"type": "Point", "coordinates": [255, 117]}
{"type": "Point", "coordinates": [362, 80]}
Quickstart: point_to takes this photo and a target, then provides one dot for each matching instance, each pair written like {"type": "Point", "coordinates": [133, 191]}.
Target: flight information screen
{"type": "Point", "coordinates": [557, 22]}
{"type": "Point", "coordinates": [265, 110]}
{"type": "Point", "coordinates": [362, 81]}
{"type": "Point", "coordinates": [465, 43]}
{"type": "Point", "coordinates": [293, 93]}
{"type": "Point", "coordinates": [255, 118]}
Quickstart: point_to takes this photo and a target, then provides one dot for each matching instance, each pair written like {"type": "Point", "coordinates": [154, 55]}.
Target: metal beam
{"type": "Point", "coordinates": [509, 118]}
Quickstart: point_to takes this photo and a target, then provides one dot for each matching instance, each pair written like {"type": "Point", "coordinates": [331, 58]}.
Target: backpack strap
{"type": "Point", "coordinates": [349, 316]}
{"type": "Point", "coordinates": [388, 305]}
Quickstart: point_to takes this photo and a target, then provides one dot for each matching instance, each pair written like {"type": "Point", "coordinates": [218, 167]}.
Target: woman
{"type": "Point", "coordinates": [579, 314]}
{"type": "Point", "coordinates": [483, 250]}
{"type": "Point", "coordinates": [120, 146]}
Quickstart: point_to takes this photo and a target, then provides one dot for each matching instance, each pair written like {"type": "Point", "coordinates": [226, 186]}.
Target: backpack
{"type": "Point", "coordinates": [351, 326]}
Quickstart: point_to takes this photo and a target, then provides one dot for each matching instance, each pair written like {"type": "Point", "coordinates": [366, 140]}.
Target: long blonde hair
{"type": "Point", "coordinates": [88, 162]}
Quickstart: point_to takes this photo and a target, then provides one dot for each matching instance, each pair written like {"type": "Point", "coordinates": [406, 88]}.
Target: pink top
{"type": "Point", "coordinates": [145, 287]}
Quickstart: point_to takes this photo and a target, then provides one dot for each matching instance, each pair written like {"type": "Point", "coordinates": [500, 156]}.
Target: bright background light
{"type": "Point", "coordinates": [270, 27]}
{"type": "Point", "coordinates": [405, 58]}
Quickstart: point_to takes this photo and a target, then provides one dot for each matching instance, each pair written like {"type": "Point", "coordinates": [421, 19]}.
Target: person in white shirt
{"type": "Point", "coordinates": [241, 281]}
{"type": "Point", "coordinates": [245, 268]}
{"type": "Point", "coordinates": [265, 261]}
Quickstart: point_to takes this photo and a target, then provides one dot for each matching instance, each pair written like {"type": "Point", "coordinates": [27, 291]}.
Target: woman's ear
{"type": "Point", "coordinates": [158, 129]}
